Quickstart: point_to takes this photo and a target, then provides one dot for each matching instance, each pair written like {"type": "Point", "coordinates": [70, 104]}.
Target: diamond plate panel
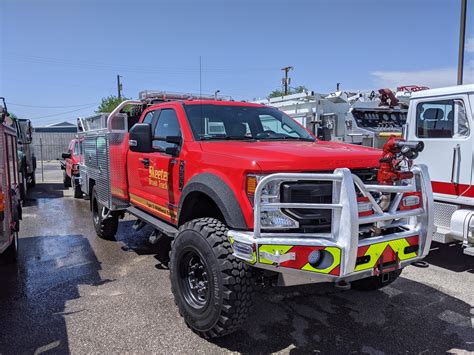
{"type": "Point", "coordinates": [443, 213]}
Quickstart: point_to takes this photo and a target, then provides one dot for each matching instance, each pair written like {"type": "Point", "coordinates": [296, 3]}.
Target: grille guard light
{"type": "Point", "coordinates": [410, 201]}
{"type": "Point", "coordinates": [364, 206]}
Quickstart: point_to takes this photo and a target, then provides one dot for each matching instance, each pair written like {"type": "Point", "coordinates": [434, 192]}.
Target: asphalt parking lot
{"type": "Point", "coordinates": [72, 292]}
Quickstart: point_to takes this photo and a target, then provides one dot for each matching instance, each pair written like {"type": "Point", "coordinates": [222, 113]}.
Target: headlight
{"type": "Point", "coordinates": [269, 218]}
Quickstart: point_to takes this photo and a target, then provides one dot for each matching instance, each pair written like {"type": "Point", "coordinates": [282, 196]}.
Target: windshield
{"type": "Point", "coordinates": [218, 122]}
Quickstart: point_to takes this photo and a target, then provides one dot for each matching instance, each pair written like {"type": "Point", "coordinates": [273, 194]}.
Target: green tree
{"type": "Point", "coordinates": [108, 103]}
{"type": "Point", "coordinates": [296, 90]}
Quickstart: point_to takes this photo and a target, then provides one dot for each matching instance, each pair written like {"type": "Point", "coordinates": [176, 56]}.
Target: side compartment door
{"type": "Point", "coordinates": [444, 124]}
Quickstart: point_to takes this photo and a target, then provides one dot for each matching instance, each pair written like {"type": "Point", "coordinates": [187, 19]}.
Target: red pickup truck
{"type": "Point", "coordinates": [70, 165]}
{"type": "Point", "coordinates": [244, 193]}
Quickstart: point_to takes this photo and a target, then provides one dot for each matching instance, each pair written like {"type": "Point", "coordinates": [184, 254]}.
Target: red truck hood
{"type": "Point", "coordinates": [298, 156]}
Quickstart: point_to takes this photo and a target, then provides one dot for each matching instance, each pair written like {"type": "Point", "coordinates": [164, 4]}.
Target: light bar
{"type": "Point", "coordinates": [157, 95]}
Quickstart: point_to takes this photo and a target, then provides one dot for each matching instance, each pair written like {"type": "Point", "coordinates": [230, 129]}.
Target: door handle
{"type": "Point", "coordinates": [455, 166]}
{"type": "Point", "coordinates": [146, 162]}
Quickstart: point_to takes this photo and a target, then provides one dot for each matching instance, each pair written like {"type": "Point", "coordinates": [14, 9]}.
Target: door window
{"type": "Point", "coordinates": [148, 117]}
{"type": "Point", "coordinates": [11, 159]}
{"type": "Point", "coordinates": [77, 151]}
{"type": "Point", "coordinates": [461, 121]}
{"type": "Point", "coordinates": [167, 125]}
{"type": "Point", "coordinates": [442, 119]}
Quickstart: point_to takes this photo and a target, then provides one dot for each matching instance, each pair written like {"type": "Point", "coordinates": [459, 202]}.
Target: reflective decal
{"type": "Point", "coordinates": [153, 206]}
{"type": "Point", "coordinates": [330, 258]}
{"type": "Point", "coordinates": [376, 255]}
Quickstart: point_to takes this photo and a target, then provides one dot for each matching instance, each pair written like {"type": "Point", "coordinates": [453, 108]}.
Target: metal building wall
{"type": "Point", "coordinates": [51, 144]}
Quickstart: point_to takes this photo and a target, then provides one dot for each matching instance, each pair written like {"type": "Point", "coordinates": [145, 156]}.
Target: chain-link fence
{"type": "Point", "coordinates": [50, 145]}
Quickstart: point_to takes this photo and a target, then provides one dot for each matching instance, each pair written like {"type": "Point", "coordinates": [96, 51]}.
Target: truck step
{"type": "Point", "coordinates": [139, 224]}
{"type": "Point", "coordinates": [469, 251]}
{"type": "Point", "coordinates": [156, 236]}
{"type": "Point", "coordinates": [163, 227]}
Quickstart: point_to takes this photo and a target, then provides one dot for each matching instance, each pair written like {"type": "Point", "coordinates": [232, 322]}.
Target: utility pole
{"type": "Point", "coordinates": [119, 86]}
{"type": "Point", "coordinates": [286, 80]}
{"type": "Point", "coordinates": [462, 38]}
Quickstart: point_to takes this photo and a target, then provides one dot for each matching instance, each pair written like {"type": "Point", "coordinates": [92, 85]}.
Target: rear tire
{"type": "Point", "coordinates": [33, 179]}
{"type": "Point", "coordinates": [66, 180]}
{"type": "Point", "coordinates": [77, 191]}
{"type": "Point", "coordinates": [10, 255]}
{"type": "Point", "coordinates": [23, 187]}
{"type": "Point", "coordinates": [374, 283]}
{"type": "Point", "coordinates": [211, 287]}
{"type": "Point", "coordinates": [105, 226]}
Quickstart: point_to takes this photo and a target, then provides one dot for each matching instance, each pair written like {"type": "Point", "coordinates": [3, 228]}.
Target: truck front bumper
{"type": "Point", "coordinates": [404, 236]}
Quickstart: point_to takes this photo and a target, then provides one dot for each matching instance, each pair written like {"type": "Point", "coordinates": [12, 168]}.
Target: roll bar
{"type": "Point", "coordinates": [119, 108]}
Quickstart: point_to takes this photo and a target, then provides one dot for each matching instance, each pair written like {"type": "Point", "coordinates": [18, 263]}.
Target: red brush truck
{"type": "Point", "coordinates": [244, 192]}
{"type": "Point", "coordinates": [10, 205]}
{"type": "Point", "coordinates": [70, 166]}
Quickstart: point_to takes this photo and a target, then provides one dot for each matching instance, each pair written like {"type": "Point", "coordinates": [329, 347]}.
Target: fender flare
{"type": "Point", "coordinates": [222, 195]}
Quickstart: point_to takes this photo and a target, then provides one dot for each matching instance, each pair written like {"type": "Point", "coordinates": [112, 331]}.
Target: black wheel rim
{"type": "Point", "coordinates": [194, 279]}
{"type": "Point", "coordinates": [95, 212]}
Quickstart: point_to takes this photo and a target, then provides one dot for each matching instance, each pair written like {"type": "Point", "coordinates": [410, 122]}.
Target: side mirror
{"type": "Point", "coordinates": [174, 139]}
{"type": "Point", "coordinates": [29, 133]}
{"type": "Point", "coordinates": [66, 155]}
{"type": "Point", "coordinates": [173, 151]}
{"type": "Point", "coordinates": [140, 138]}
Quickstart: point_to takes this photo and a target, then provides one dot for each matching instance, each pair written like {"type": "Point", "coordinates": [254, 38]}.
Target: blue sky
{"type": "Point", "coordinates": [63, 55]}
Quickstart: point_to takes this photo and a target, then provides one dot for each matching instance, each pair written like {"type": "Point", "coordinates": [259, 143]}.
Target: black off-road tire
{"type": "Point", "coordinates": [23, 186]}
{"type": "Point", "coordinates": [32, 183]}
{"type": "Point", "coordinates": [10, 255]}
{"type": "Point", "coordinates": [66, 180]}
{"type": "Point", "coordinates": [105, 228]}
{"type": "Point", "coordinates": [374, 283]}
{"type": "Point", "coordinates": [228, 296]}
{"type": "Point", "coordinates": [77, 191]}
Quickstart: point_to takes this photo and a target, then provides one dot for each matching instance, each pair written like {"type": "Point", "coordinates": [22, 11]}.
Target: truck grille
{"type": "Point", "coordinates": [315, 220]}
{"type": "Point", "coordinates": [310, 220]}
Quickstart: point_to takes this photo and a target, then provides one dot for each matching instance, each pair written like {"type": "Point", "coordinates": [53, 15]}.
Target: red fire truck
{"type": "Point", "coordinates": [70, 165]}
{"type": "Point", "coordinates": [10, 205]}
{"type": "Point", "coordinates": [244, 192]}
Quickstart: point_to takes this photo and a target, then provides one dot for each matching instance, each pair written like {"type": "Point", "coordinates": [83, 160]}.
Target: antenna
{"type": "Point", "coordinates": [200, 78]}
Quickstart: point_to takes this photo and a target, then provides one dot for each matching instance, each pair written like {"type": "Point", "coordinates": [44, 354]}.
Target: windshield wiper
{"type": "Point", "coordinates": [209, 138]}
{"type": "Point", "coordinates": [289, 138]}
{"type": "Point", "coordinates": [300, 138]}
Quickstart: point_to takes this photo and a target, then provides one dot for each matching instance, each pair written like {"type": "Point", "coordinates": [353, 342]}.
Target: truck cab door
{"type": "Point", "coordinates": [154, 176]}
{"type": "Point", "coordinates": [163, 177]}
{"type": "Point", "coordinates": [444, 124]}
{"type": "Point", "coordinates": [138, 168]}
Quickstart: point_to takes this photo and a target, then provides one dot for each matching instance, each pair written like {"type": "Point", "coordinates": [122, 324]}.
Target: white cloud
{"type": "Point", "coordinates": [470, 45]}
{"type": "Point", "coordinates": [432, 78]}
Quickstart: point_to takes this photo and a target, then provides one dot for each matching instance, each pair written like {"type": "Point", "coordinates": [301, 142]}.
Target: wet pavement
{"type": "Point", "coordinates": [72, 292]}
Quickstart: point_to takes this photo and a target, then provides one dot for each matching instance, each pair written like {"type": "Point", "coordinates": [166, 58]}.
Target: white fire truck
{"type": "Point", "coordinates": [443, 119]}
{"type": "Point", "coordinates": [10, 205]}
{"type": "Point", "coordinates": [365, 118]}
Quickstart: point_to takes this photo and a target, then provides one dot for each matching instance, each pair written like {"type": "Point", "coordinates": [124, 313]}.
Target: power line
{"type": "Point", "coordinates": [33, 106]}
{"type": "Point", "coordinates": [63, 113]}
{"type": "Point", "coordinates": [101, 66]}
